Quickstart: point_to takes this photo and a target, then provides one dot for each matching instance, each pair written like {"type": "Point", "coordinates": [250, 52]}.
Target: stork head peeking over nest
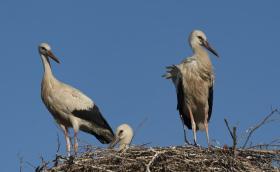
{"type": "Point", "coordinates": [123, 137]}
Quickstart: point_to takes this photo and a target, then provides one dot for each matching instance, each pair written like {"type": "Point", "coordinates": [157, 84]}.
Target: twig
{"type": "Point", "coordinates": [272, 152]}
{"type": "Point", "coordinates": [266, 146]}
{"type": "Point", "coordinates": [139, 126]}
{"type": "Point", "coordinates": [42, 166]}
{"type": "Point", "coordinates": [152, 160]}
{"type": "Point", "coordinates": [20, 162]}
{"type": "Point", "coordinates": [232, 134]}
{"type": "Point", "coordinates": [95, 167]}
{"type": "Point", "coordinates": [57, 156]}
{"type": "Point", "coordinates": [31, 165]}
{"type": "Point", "coordinates": [145, 144]}
{"type": "Point", "coordinates": [275, 143]}
{"type": "Point", "coordinates": [58, 143]}
{"type": "Point", "coordinates": [234, 138]}
{"type": "Point", "coordinates": [253, 129]}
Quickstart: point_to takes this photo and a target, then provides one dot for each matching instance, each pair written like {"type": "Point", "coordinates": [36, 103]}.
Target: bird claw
{"type": "Point", "coordinates": [210, 146]}
{"type": "Point", "coordinates": [70, 158]}
{"type": "Point", "coordinates": [187, 143]}
{"type": "Point", "coordinates": [196, 145]}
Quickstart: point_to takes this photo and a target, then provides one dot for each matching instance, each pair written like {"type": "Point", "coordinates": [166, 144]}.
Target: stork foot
{"type": "Point", "coordinates": [70, 159]}
{"type": "Point", "coordinates": [196, 145]}
{"type": "Point", "coordinates": [68, 154]}
{"type": "Point", "coordinates": [210, 145]}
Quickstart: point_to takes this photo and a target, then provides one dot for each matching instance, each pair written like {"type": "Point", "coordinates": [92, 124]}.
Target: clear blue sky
{"type": "Point", "coordinates": [116, 52]}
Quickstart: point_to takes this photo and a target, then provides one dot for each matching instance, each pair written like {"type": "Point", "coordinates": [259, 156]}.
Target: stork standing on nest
{"type": "Point", "coordinates": [70, 107]}
{"type": "Point", "coordinates": [193, 79]}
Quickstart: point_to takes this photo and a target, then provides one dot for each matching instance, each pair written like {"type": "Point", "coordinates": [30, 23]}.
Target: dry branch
{"type": "Point", "coordinates": [275, 144]}
{"type": "Point", "coordinates": [261, 123]}
{"type": "Point", "coordinates": [232, 134]}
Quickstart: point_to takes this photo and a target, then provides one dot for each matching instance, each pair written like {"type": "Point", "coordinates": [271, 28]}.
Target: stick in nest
{"type": "Point", "coordinates": [261, 123]}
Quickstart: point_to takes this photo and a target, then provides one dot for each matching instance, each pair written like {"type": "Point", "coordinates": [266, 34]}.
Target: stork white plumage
{"type": "Point", "coordinates": [194, 80]}
{"type": "Point", "coordinates": [123, 136]}
{"type": "Point", "coordinates": [70, 107]}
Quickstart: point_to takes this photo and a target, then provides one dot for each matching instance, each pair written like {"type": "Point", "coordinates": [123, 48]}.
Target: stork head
{"type": "Point", "coordinates": [198, 38]}
{"type": "Point", "coordinates": [123, 136]}
{"type": "Point", "coordinates": [45, 49]}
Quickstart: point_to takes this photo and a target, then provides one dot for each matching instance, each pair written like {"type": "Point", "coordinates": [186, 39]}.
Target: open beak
{"type": "Point", "coordinates": [114, 142]}
{"type": "Point", "coordinates": [207, 45]}
{"type": "Point", "coordinates": [51, 55]}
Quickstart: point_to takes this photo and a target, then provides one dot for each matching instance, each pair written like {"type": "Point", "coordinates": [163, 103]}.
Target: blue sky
{"type": "Point", "coordinates": [116, 52]}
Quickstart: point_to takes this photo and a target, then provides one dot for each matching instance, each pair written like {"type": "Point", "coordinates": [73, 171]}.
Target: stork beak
{"type": "Point", "coordinates": [51, 55]}
{"type": "Point", "coordinates": [207, 45]}
{"type": "Point", "coordinates": [114, 142]}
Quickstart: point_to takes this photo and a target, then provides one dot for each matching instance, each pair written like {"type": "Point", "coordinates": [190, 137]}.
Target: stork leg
{"type": "Point", "coordinates": [207, 134]}
{"type": "Point", "coordinates": [184, 129]}
{"type": "Point", "coordinates": [193, 125]}
{"type": "Point", "coordinates": [75, 142]}
{"type": "Point", "coordinates": [67, 139]}
{"type": "Point", "coordinates": [206, 129]}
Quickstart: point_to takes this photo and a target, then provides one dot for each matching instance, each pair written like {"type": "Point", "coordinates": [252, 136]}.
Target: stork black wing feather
{"type": "Point", "coordinates": [94, 116]}
{"type": "Point", "coordinates": [181, 104]}
{"type": "Point", "coordinates": [210, 102]}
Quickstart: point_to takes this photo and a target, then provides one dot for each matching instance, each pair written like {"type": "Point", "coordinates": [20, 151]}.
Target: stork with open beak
{"type": "Point", "coordinates": [193, 79]}
{"type": "Point", "coordinates": [123, 137]}
{"type": "Point", "coordinates": [70, 107]}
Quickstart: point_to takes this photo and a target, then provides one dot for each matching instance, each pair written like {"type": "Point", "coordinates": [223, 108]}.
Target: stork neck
{"type": "Point", "coordinates": [202, 56]}
{"type": "Point", "coordinates": [199, 51]}
{"type": "Point", "coordinates": [46, 65]}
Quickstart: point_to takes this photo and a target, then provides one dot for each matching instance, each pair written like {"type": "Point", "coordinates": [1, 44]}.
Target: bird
{"type": "Point", "coordinates": [193, 79]}
{"type": "Point", "coordinates": [70, 107]}
{"type": "Point", "coordinates": [123, 136]}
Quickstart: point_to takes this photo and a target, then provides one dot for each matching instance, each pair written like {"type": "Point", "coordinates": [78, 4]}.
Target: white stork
{"type": "Point", "coordinates": [193, 79]}
{"type": "Point", "coordinates": [70, 107]}
{"type": "Point", "coordinates": [123, 136]}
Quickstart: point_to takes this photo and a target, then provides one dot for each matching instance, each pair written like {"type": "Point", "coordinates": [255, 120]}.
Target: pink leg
{"type": "Point", "coordinates": [75, 125]}
{"type": "Point", "coordinates": [193, 124]}
{"type": "Point", "coordinates": [75, 142]}
{"type": "Point", "coordinates": [67, 139]}
{"type": "Point", "coordinates": [206, 129]}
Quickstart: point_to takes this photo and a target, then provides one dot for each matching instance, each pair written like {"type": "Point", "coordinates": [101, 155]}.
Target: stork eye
{"type": "Point", "coordinates": [121, 131]}
{"type": "Point", "coordinates": [43, 48]}
{"type": "Point", "coordinates": [200, 37]}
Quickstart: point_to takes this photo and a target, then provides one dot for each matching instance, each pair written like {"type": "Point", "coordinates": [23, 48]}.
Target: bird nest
{"type": "Point", "coordinates": [155, 159]}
